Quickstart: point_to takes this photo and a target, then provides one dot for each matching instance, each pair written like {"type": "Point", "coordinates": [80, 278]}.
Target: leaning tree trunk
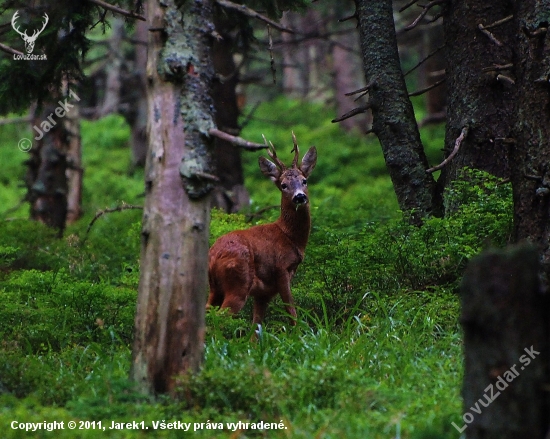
{"type": "Point", "coordinates": [479, 84]}
{"type": "Point", "coordinates": [169, 324]}
{"type": "Point", "coordinates": [393, 116]}
{"type": "Point", "coordinates": [531, 151]}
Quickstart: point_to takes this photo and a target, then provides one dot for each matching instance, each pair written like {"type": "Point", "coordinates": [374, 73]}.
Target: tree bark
{"type": "Point", "coordinates": [46, 178]}
{"type": "Point", "coordinates": [169, 324]}
{"type": "Point", "coordinates": [75, 172]}
{"type": "Point", "coordinates": [505, 321]}
{"type": "Point", "coordinates": [531, 151]}
{"type": "Point", "coordinates": [393, 116]}
{"type": "Point", "coordinates": [483, 100]}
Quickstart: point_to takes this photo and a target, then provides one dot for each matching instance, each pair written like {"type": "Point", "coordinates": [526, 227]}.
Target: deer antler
{"type": "Point", "coordinates": [295, 150]}
{"type": "Point", "coordinates": [38, 32]}
{"type": "Point", "coordinates": [271, 153]}
{"type": "Point", "coordinates": [16, 29]}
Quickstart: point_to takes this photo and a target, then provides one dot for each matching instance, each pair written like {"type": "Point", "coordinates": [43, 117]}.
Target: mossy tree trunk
{"type": "Point", "coordinates": [393, 116]}
{"type": "Point", "coordinates": [478, 97]}
{"type": "Point", "coordinates": [169, 324]}
{"type": "Point", "coordinates": [505, 321]}
{"type": "Point", "coordinates": [531, 151]}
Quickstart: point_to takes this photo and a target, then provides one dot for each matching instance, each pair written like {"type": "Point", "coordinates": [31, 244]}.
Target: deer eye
{"type": "Point", "coordinates": [284, 186]}
{"type": "Point", "coordinates": [304, 181]}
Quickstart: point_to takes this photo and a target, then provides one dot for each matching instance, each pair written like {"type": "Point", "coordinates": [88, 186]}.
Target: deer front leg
{"type": "Point", "coordinates": [286, 296]}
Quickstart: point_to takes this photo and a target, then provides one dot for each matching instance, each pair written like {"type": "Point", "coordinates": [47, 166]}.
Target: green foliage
{"type": "Point", "coordinates": [375, 352]}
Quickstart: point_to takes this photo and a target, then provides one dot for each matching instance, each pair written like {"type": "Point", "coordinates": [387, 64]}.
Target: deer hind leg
{"type": "Point", "coordinates": [234, 284]}
{"type": "Point", "coordinates": [260, 307]}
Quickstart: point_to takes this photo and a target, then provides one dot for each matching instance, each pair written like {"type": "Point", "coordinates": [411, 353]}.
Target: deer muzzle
{"type": "Point", "coordinates": [299, 198]}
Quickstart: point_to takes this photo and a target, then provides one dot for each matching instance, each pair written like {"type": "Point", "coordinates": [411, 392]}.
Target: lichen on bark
{"type": "Point", "coordinates": [186, 61]}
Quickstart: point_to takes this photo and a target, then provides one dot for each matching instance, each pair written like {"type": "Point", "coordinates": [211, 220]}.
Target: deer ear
{"type": "Point", "coordinates": [309, 161]}
{"type": "Point", "coordinates": [269, 169]}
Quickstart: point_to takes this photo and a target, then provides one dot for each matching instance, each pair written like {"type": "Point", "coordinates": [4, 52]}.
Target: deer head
{"type": "Point", "coordinates": [29, 40]}
{"type": "Point", "coordinates": [292, 182]}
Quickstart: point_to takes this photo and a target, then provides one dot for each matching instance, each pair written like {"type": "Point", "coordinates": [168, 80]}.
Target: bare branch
{"type": "Point", "coordinates": [253, 14]}
{"type": "Point", "coordinates": [9, 50]}
{"type": "Point", "coordinates": [499, 22]}
{"type": "Point", "coordinates": [350, 17]}
{"type": "Point", "coordinates": [24, 119]}
{"type": "Point", "coordinates": [272, 60]}
{"type": "Point", "coordinates": [355, 111]}
{"type": "Point", "coordinates": [117, 10]}
{"type": "Point", "coordinates": [408, 5]}
{"type": "Point", "coordinates": [454, 152]}
{"type": "Point", "coordinates": [235, 140]}
{"type": "Point", "coordinates": [423, 60]}
{"type": "Point", "coordinates": [540, 31]}
{"type": "Point", "coordinates": [425, 10]}
{"type": "Point", "coordinates": [100, 213]}
{"type": "Point", "coordinates": [424, 90]}
{"type": "Point", "coordinates": [489, 35]}
{"type": "Point", "coordinates": [507, 79]}
{"type": "Point", "coordinates": [497, 67]}
{"type": "Point", "coordinates": [363, 89]}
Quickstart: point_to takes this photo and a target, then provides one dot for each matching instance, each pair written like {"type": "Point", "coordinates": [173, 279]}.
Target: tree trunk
{"type": "Point", "coordinates": [230, 194]}
{"type": "Point", "coordinates": [169, 324]}
{"type": "Point", "coordinates": [393, 116]}
{"type": "Point", "coordinates": [347, 75]}
{"type": "Point", "coordinates": [505, 321]}
{"type": "Point", "coordinates": [481, 99]}
{"type": "Point", "coordinates": [531, 151]}
{"type": "Point", "coordinates": [71, 124]}
{"type": "Point", "coordinates": [46, 178]}
{"type": "Point", "coordinates": [138, 121]}
{"type": "Point", "coordinates": [113, 81]}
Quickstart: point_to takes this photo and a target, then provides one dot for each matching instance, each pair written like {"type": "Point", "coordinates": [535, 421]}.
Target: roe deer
{"type": "Point", "coordinates": [261, 261]}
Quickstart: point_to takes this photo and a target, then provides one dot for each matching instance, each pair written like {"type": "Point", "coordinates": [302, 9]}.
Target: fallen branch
{"type": "Point", "coordinates": [454, 152]}
{"type": "Point", "coordinates": [424, 90]}
{"type": "Point", "coordinates": [100, 213]}
{"type": "Point", "coordinates": [425, 10]}
{"type": "Point", "coordinates": [235, 140]}
{"type": "Point", "coordinates": [9, 50]}
{"type": "Point", "coordinates": [253, 14]}
{"type": "Point", "coordinates": [354, 112]}
{"type": "Point", "coordinates": [117, 10]}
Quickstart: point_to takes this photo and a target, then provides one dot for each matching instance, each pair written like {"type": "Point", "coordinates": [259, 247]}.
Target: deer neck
{"type": "Point", "coordinates": [295, 223]}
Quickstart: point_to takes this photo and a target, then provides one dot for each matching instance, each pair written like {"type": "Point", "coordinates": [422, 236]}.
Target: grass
{"type": "Point", "coordinates": [376, 352]}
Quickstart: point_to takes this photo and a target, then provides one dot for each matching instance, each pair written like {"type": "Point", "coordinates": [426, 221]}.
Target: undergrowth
{"type": "Point", "coordinates": [376, 352]}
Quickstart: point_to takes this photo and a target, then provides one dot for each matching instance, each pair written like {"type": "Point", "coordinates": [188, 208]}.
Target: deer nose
{"type": "Point", "coordinates": [299, 198]}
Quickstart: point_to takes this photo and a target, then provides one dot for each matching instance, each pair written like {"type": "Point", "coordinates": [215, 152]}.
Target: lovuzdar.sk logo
{"type": "Point", "coordinates": [29, 39]}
